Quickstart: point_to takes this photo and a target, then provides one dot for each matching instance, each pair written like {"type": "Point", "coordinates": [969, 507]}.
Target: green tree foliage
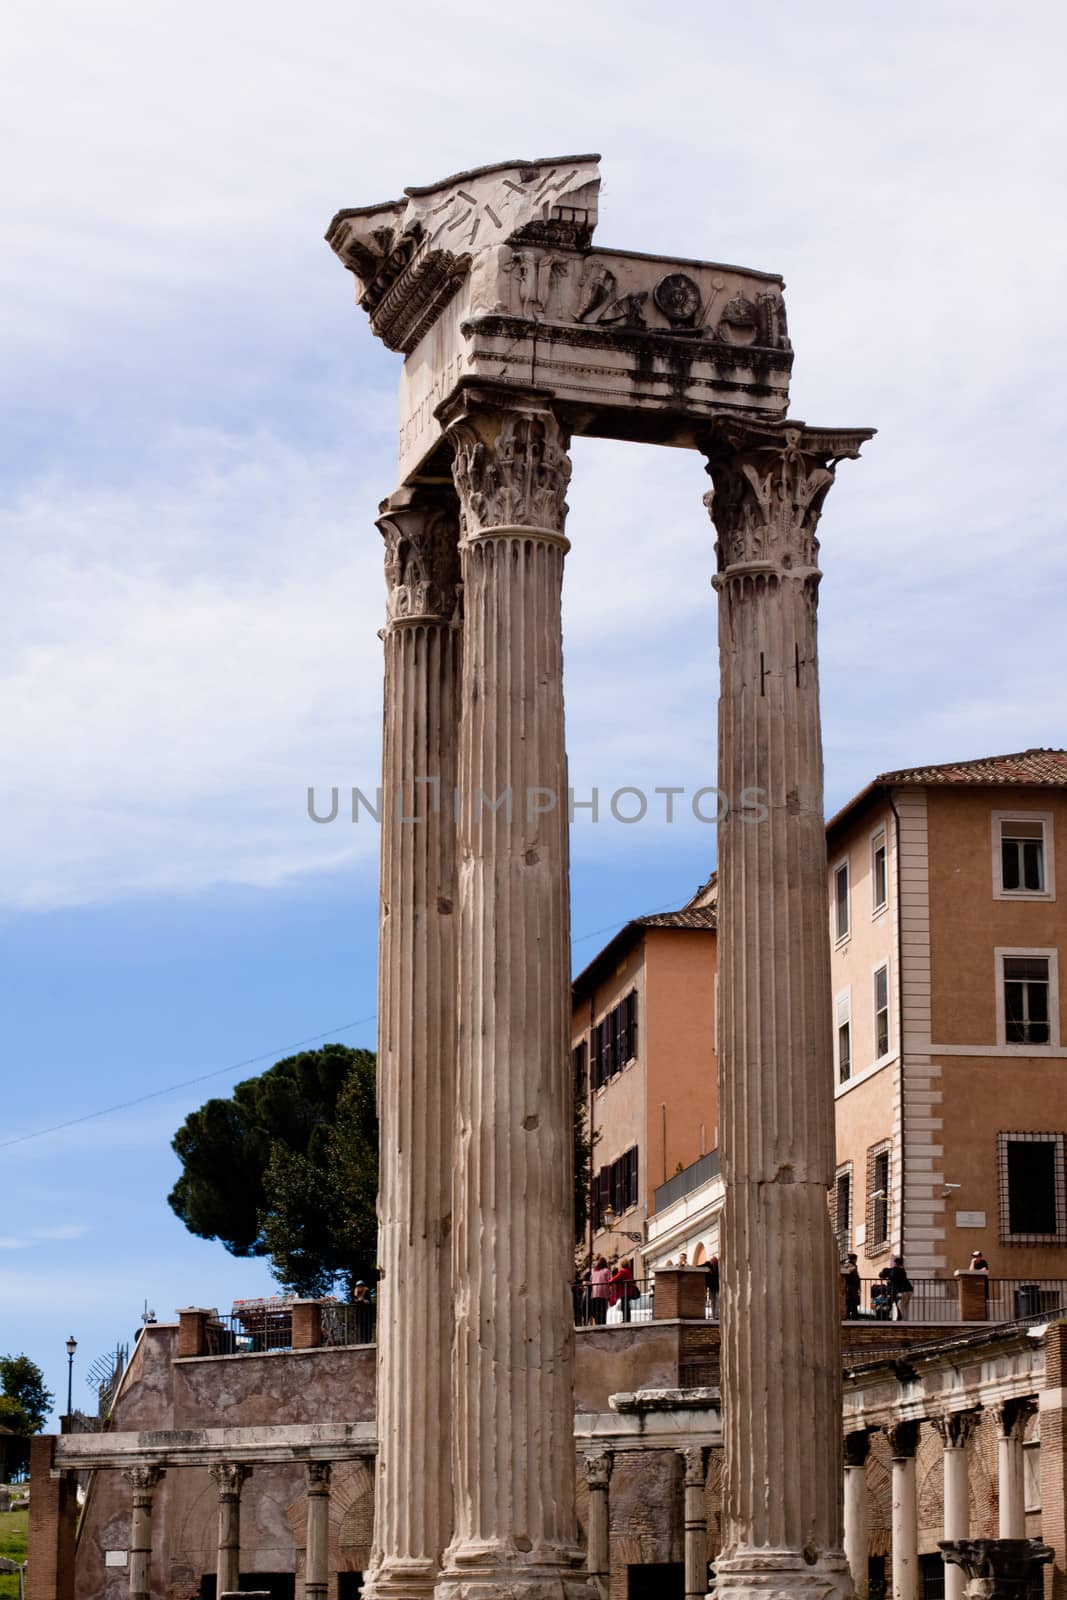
{"type": "Point", "coordinates": [24, 1400]}
{"type": "Point", "coordinates": [287, 1167]}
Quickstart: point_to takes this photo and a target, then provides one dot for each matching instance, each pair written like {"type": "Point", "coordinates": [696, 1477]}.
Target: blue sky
{"type": "Point", "coordinates": [198, 426]}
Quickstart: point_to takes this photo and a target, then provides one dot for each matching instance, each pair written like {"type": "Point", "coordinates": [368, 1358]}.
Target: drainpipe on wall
{"type": "Point", "coordinates": [900, 1008]}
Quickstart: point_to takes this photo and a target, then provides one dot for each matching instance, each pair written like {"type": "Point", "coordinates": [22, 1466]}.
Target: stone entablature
{"type": "Point", "coordinates": [491, 275]}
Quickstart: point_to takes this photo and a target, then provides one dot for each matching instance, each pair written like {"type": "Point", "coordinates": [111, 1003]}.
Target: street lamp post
{"type": "Point", "coordinates": [72, 1345]}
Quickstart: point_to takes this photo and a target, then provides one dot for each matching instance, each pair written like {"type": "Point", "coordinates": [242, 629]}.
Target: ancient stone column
{"type": "Point", "coordinates": [598, 1464]}
{"type": "Point", "coordinates": [857, 1449]}
{"type": "Point", "coordinates": [513, 1356]}
{"type": "Point", "coordinates": [781, 1373]}
{"type": "Point", "coordinates": [1012, 1418]}
{"type": "Point", "coordinates": [317, 1553]}
{"type": "Point", "coordinates": [696, 1522]}
{"type": "Point", "coordinates": [904, 1513]}
{"type": "Point", "coordinates": [416, 1043]}
{"type": "Point", "coordinates": [142, 1481]}
{"type": "Point", "coordinates": [955, 1429]}
{"type": "Point", "coordinates": [229, 1478]}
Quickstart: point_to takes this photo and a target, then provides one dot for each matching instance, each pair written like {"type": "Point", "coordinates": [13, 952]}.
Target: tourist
{"type": "Point", "coordinates": [900, 1288]}
{"type": "Point", "coordinates": [623, 1288]}
{"type": "Point", "coordinates": [978, 1262]}
{"type": "Point", "coordinates": [683, 1259]}
{"type": "Point", "coordinates": [599, 1293]}
{"type": "Point", "coordinates": [882, 1296]}
{"type": "Point", "coordinates": [850, 1274]}
{"type": "Point", "coordinates": [363, 1313]}
{"type": "Point", "coordinates": [711, 1273]}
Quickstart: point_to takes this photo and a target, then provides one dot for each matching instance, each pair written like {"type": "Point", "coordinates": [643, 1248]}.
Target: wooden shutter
{"type": "Point", "coordinates": [631, 1025]}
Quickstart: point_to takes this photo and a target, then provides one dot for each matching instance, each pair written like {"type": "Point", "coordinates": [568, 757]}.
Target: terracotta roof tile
{"type": "Point", "coordinates": [695, 917]}
{"type": "Point", "coordinates": [1045, 767]}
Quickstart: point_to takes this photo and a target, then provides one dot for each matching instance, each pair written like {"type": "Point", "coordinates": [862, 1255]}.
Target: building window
{"type": "Point", "coordinates": [841, 907]}
{"type": "Point", "coordinates": [614, 1041]}
{"type": "Point", "coordinates": [1032, 1475]}
{"type": "Point", "coordinates": [881, 1012]}
{"type": "Point", "coordinates": [1026, 1009]}
{"type": "Point", "coordinates": [579, 1058]}
{"type": "Point", "coordinates": [616, 1185]}
{"type": "Point", "coordinates": [932, 1577]}
{"type": "Point", "coordinates": [1032, 1208]}
{"type": "Point", "coordinates": [879, 874]}
{"type": "Point", "coordinates": [878, 1198]}
{"type": "Point", "coordinates": [843, 1037]}
{"type": "Point", "coordinates": [843, 1210]}
{"type": "Point", "coordinates": [1022, 856]}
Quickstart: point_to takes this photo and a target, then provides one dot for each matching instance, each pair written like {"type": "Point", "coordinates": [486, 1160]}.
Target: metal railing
{"type": "Point", "coordinates": [600, 1305]}
{"type": "Point", "coordinates": [937, 1300]}
{"type": "Point", "coordinates": [354, 1323]}
{"type": "Point", "coordinates": [246, 1333]}
{"type": "Point", "coordinates": [700, 1171]}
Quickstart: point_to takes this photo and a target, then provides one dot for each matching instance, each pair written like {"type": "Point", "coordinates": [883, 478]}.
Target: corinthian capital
{"type": "Point", "coordinates": [955, 1427]}
{"type": "Point", "coordinates": [142, 1480]}
{"type": "Point", "coordinates": [421, 535]}
{"type": "Point", "coordinates": [229, 1477]}
{"type": "Point", "coordinates": [770, 482]}
{"type": "Point", "coordinates": [598, 1464]}
{"type": "Point", "coordinates": [510, 466]}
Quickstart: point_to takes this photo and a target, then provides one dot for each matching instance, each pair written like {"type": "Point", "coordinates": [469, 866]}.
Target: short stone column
{"type": "Point", "coordinates": [192, 1330]}
{"type": "Point", "coordinates": [598, 1464]}
{"type": "Point", "coordinates": [857, 1449]}
{"type": "Point", "coordinates": [416, 1044]}
{"type": "Point", "coordinates": [317, 1553]}
{"type": "Point", "coordinates": [229, 1479]}
{"type": "Point", "coordinates": [1012, 1418]}
{"type": "Point", "coordinates": [955, 1428]}
{"type": "Point", "coordinates": [307, 1324]}
{"type": "Point", "coordinates": [142, 1481]}
{"type": "Point", "coordinates": [903, 1442]}
{"type": "Point", "coordinates": [695, 1479]}
{"type": "Point", "coordinates": [512, 1228]}
{"type": "Point", "coordinates": [781, 1360]}
{"type": "Point", "coordinates": [680, 1292]}
{"type": "Point", "coordinates": [973, 1291]}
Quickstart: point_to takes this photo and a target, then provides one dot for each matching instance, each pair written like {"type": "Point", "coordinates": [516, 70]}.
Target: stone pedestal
{"type": "Point", "coordinates": [142, 1481]}
{"type": "Point", "coordinates": [416, 1044]}
{"type": "Point", "coordinates": [996, 1569]}
{"type": "Point", "coordinates": [781, 1371]}
{"type": "Point", "coordinates": [903, 1443]}
{"type": "Point", "coordinates": [857, 1449]}
{"type": "Point", "coordinates": [229, 1480]}
{"type": "Point", "coordinates": [317, 1553]}
{"type": "Point", "coordinates": [680, 1292]}
{"type": "Point", "coordinates": [513, 1357]}
{"type": "Point", "coordinates": [973, 1290]}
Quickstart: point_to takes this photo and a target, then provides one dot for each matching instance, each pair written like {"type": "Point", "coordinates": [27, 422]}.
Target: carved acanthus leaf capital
{"type": "Point", "coordinates": [696, 1466]}
{"type": "Point", "coordinates": [598, 1465]}
{"type": "Point", "coordinates": [229, 1477]}
{"type": "Point", "coordinates": [511, 470]}
{"type": "Point", "coordinates": [903, 1439]}
{"type": "Point", "coordinates": [142, 1480]}
{"type": "Point", "coordinates": [857, 1447]}
{"type": "Point", "coordinates": [1014, 1414]}
{"type": "Point", "coordinates": [955, 1427]}
{"type": "Point", "coordinates": [770, 482]}
{"type": "Point", "coordinates": [421, 557]}
{"type": "Point", "coordinates": [318, 1476]}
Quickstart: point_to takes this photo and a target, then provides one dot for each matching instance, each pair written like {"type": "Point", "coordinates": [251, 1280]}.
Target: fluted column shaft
{"type": "Point", "coordinates": [416, 1043]}
{"type": "Point", "coordinates": [598, 1466]}
{"type": "Point", "coordinates": [513, 1366]}
{"type": "Point", "coordinates": [143, 1481]}
{"type": "Point", "coordinates": [694, 1480]}
{"type": "Point", "coordinates": [229, 1479]}
{"type": "Point", "coordinates": [781, 1375]}
{"type": "Point", "coordinates": [317, 1552]}
{"type": "Point", "coordinates": [857, 1449]}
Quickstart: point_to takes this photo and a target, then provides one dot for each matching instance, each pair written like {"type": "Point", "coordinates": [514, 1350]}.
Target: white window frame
{"type": "Point", "coordinates": [880, 1060]}
{"type": "Point", "coordinates": [1034, 1241]}
{"type": "Point", "coordinates": [879, 839]}
{"type": "Point", "coordinates": [843, 1014]}
{"type": "Point", "coordinates": [840, 938]}
{"type": "Point", "coordinates": [1048, 893]}
{"type": "Point", "coordinates": [1051, 954]}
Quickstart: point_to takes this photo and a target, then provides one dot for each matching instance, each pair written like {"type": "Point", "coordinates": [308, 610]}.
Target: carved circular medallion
{"type": "Point", "coordinates": [678, 297]}
{"type": "Point", "coordinates": [739, 323]}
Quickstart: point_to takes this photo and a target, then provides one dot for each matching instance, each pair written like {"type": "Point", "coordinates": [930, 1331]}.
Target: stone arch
{"type": "Point", "coordinates": [700, 1255]}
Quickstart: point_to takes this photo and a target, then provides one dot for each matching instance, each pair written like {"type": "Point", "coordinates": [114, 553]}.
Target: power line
{"type": "Point", "coordinates": [251, 1061]}
{"type": "Point", "coordinates": [187, 1083]}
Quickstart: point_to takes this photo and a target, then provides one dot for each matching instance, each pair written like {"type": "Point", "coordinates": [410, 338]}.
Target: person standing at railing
{"type": "Point", "coordinates": [882, 1296]}
{"type": "Point", "coordinates": [712, 1274]}
{"type": "Point", "coordinates": [599, 1292]}
{"type": "Point", "coordinates": [622, 1288]}
{"type": "Point", "coordinates": [900, 1289]}
{"type": "Point", "coordinates": [978, 1262]}
{"type": "Point", "coordinates": [850, 1277]}
{"type": "Point", "coordinates": [363, 1313]}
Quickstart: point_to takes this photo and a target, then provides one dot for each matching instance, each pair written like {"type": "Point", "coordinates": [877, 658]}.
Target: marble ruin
{"type": "Point", "coordinates": [518, 333]}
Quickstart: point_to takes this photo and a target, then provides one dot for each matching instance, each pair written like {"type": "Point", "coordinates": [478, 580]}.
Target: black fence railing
{"type": "Point", "coordinates": [247, 1333]}
{"type": "Point", "coordinates": [354, 1323]}
{"type": "Point", "coordinates": [700, 1171]}
{"type": "Point", "coordinates": [597, 1304]}
{"type": "Point", "coordinates": [937, 1300]}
